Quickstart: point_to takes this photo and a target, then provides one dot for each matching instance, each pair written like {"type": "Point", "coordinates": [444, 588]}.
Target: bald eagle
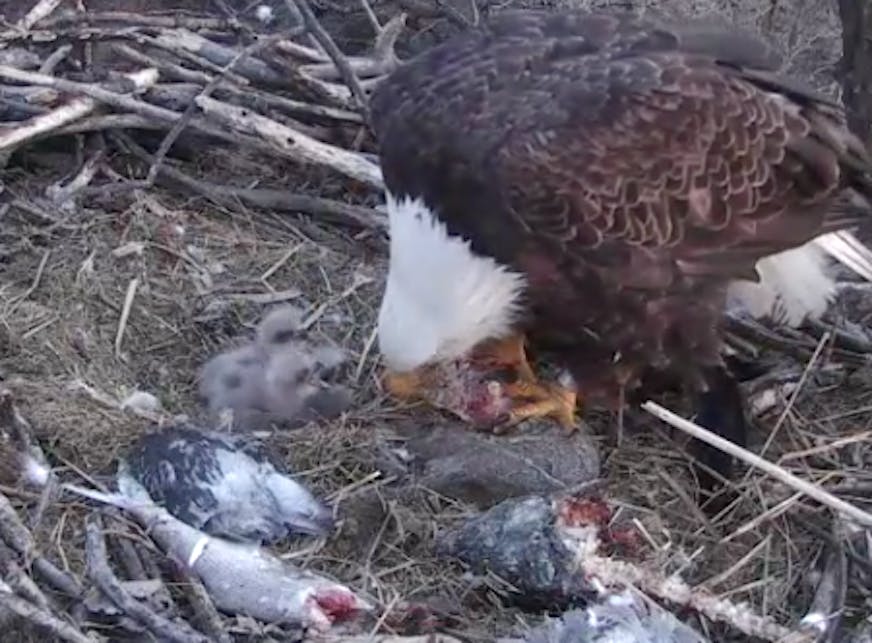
{"type": "Point", "coordinates": [602, 187]}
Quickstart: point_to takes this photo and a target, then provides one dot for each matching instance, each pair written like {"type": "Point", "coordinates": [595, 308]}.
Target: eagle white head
{"type": "Point", "coordinates": [441, 299]}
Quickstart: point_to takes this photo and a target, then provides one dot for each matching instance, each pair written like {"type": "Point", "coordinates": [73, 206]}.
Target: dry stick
{"type": "Point", "coordinates": [108, 122]}
{"type": "Point", "coordinates": [103, 576]}
{"type": "Point", "coordinates": [825, 613]}
{"type": "Point", "coordinates": [796, 392]}
{"type": "Point", "coordinates": [370, 15]}
{"type": "Point", "coordinates": [276, 137]}
{"type": "Point", "coordinates": [753, 460]}
{"type": "Point", "coordinates": [125, 314]}
{"type": "Point", "coordinates": [328, 209]}
{"type": "Point", "coordinates": [40, 10]}
{"type": "Point", "coordinates": [250, 69]}
{"type": "Point", "coordinates": [34, 127]}
{"type": "Point", "coordinates": [322, 91]}
{"type": "Point", "coordinates": [336, 211]}
{"type": "Point", "coordinates": [140, 20]}
{"type": "Point", "coordinates": [128, 555]}
{"type": "Point", "coordinates": [383, 61]}
{"type": "Point", "coordinates": [613, 572]}
{"type": "Point", "coordinates": [60, 194]}
{"type": "Point", "coordinates": [46, 497]}
{"type": "Point", "coordinates": [170, 46]}
{"type": "Point", "coordinates": [188, 114]}
{"type": "Point", "coordinates": [49, 64]}
{"type": "Point", "coordinates": [114, 99]}
{"type": "Point", "coordinates": [18, 580]}
{"type": "Point", "coordinates": [30, 95]}
{"type": "Point", "coordinates": [332, 50]}
{"type": "Point", "coordinates": [204, 609]}
{"type": "Point", "coordinates": [248, 95]}
{"type": "Point", "coordinates": [166, 67]}
{"type": "Point", "coordinates": [16, 425]}
{"type": "Point", "coordinates": [18, 537]}
{"type": "Point", "coordinates": [177, 96]}
{"type": "Point", "coordinates": [293, 143]}
{"type": "Point", "coordinates": [301, 51]}
{"type": "Point", "coordinates": [74, 110]}
{"type": "Point", "coordinates": [40, 617]}
{"type": "Point", "coordinates": [386, 40]}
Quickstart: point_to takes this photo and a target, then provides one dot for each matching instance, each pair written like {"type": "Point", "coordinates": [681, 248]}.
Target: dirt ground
{"type": "Point", "coordinates": [202, 275]}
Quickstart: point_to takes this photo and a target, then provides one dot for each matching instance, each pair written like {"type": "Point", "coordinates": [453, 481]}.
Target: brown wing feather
{"type": "Point", "coordinates": [660, 151]}
{"type": "Point", "coordinates": [731, 168]}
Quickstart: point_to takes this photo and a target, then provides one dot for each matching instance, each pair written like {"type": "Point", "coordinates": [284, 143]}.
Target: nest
{"type": "Point", "coordinates": [170, 173]}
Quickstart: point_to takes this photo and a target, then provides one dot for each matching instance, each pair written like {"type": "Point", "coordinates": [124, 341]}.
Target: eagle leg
{"type": "Point", "coordinates": [542, 400]}
{"type": "Point", "coordinates": [406, 386]}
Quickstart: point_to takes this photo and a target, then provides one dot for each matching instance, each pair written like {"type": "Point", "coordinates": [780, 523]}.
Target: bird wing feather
{"type": "Point", "coordinates": [659, 152]}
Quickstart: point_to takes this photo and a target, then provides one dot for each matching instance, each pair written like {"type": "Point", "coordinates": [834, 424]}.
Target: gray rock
{"type": "Point", "coordinates": [484, 469]}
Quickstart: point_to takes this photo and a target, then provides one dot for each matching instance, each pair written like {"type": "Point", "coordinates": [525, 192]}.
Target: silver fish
{"type": "Point", "coordinates": [242, 579]}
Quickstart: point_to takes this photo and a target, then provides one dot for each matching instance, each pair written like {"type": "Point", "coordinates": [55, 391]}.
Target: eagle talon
{"type": "Point", "coordinates": [405, 386]}
{"type": "Point", "coordinates": [509, 352]}
{"type": "Point", "coordinates": [543, 401]}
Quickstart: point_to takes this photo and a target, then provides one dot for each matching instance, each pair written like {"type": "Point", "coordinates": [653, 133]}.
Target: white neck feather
{"type": "Point", "coordinates": [441, 299]}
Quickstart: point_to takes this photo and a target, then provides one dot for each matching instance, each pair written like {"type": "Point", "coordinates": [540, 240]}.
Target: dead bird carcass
{"type": "Point", "coordinates": [526, 541]}
{"type": "Point", "coordinates": [530, 543]}
{"type": "Point", "coordinates": [241, 578]}
{"type": "Point", "coordinates": [284, 376]}
{"type": "Point", "coordinates": [223, 485]}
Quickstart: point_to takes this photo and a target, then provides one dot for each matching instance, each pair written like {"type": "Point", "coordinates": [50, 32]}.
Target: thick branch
{"type": "Point", "coordinates": [40, 617]}
{"type": "Point", "coordinates": [38, 125]}
{"type": "Point", "coordinates": [293, 144]}
{"type": "Point", "coordinates": [72, 111]}
{"type": "Point", "coordinates": [221, 55]}
{"type": "Point", "coordinates": [274, 136]}
{"type": "Point", "coordinates": [41, 9]}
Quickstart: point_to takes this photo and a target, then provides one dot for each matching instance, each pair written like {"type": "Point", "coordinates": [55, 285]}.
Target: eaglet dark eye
{"type": "Point", "coordinates": [284, 336]}
{"type": "Point", "coordinates": [233, 380]}
{"type": "Point", "coordinates": [302, 375]}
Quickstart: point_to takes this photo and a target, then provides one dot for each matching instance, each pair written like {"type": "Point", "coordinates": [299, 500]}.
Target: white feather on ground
{"type": "Point", "coordinates": [799, 283]}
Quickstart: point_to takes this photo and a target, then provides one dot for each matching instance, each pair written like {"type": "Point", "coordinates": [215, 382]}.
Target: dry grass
{"type": "Point", "coordinates": [62, 294]}
{"type": "Point", "coordinates": [197, 268]}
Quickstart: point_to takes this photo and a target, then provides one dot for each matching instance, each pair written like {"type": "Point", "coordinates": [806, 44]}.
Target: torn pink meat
{"type": "Point", "coordinates": [337, 604]}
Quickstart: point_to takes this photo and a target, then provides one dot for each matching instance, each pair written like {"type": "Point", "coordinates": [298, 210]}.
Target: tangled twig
{"type": "Point", "coordinates": [103, 576]}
